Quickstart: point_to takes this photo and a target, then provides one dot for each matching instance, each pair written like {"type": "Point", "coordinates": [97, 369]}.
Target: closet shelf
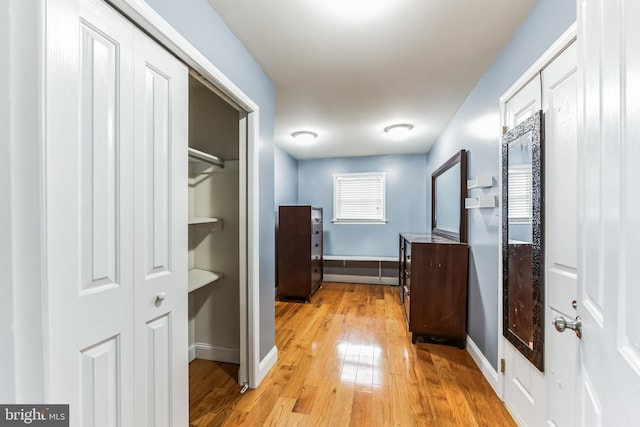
{"type": "Point", "coordinates": [202, 163]}
{"type": "Point", "coordinates": [202, 220]}
{"type": "Point", "coordinates": [199, 278]}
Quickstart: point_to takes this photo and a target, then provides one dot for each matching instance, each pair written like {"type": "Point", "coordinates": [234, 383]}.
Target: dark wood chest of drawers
{"type": "Point", "coordinates": [299, 251]}
{"type": "Point", "coordinates": [433, 287]}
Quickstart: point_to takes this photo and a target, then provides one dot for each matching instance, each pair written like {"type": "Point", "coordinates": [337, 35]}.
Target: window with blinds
{"type": "Point", "coordinates": [359, 197]}
{"type": "Point", "coordinates": [519, 195]}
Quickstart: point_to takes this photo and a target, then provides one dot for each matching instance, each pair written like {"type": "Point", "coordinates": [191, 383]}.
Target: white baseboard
{"type": "Point", "coordinates": [192, 352]}
{"type": "Point", "coordinates": [367, 280]}
{"type": "Point", "coordinates": [514, 415]}
{"type": "Point", "coordinates": [212, 352]}
{"type": "Point", "coordinates": [485, 367]}
{"type": "Point", "coordinates": [266, 364]}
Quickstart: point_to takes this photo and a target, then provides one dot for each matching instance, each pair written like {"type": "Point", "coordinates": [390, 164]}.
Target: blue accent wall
{"type": "Point", "coordinates": [204, 29]}
{"type": "Point", "coordinates": [406, 200]}
{"type": "Point", "coordinates": [286, 178]}
{"type": "Point", "coordinates": [475, 127]}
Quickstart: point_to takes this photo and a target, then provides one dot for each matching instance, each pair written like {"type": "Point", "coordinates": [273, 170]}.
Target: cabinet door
{"type": "Point", "coordinates": [407, 268]}
{"type": "Point", "coordinates": [89, 212]}
{"type": "Point", "coordinates": [401, 245]}
{"type": "Point", "coordinates": [160, 213]}
{"type": "Point", "coordinates": [316, 248]}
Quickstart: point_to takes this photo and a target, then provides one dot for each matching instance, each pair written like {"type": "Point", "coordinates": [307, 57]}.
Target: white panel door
{"type": "Point", "coordinates": [524, 103]}
{"type": "Point", "coordinates": [89, 216]}
{"type": "Point", "coordinates": [116, 220]}
{"type": "Point", "coordinates": [609, 206]}
{"type": "Point", "coordinates": [559, 97]}
{"type": "Point", "coordinates": [524, 392]}
{"type": "Point", "coordinates": [160, 204]}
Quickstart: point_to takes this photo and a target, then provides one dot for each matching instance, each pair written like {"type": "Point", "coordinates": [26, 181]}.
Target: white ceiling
{"type": "Point", "coordinates": [346, 69]}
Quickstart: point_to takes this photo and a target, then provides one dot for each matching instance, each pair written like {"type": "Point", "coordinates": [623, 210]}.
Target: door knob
{"type": "Point", "coordinates": [561, 324]}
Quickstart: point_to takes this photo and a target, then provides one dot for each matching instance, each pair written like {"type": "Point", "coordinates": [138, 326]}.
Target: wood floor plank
{"type": "Point", "coordinates": [305, 400]}
{"type": "Point", "coordinates": [278, 415]}
{"type": "Point", "coordinates": [346, 359]}
{"type": "Point", "coordinates": [361, 409]}
{"type": "Point", "coordinates": [380, 407]}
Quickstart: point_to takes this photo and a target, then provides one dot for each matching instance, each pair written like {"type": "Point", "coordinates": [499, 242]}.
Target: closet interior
{"type": "Point", "coordinates": [214, 226]}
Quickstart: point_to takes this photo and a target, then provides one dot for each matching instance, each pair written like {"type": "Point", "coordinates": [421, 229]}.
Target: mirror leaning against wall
{"type": "Point", "coordinates": [522, 232]}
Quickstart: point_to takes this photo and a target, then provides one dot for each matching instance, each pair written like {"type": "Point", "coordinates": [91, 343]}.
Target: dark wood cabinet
{"type": "Point", "coordinates": [433, 287]}
{"type": "Point", "coordinates": [299, 251]}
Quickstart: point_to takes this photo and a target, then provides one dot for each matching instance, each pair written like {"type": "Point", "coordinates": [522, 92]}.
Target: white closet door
{"type": "Point", "coordinates": [559, 95]}
{"type": "Point", "coordinates": [89, 216]}
{"type": "Point", "coordinates": [524, 392]}
{"type": "Point", "coordinates": [160, 260]}
{"type": "Point", "coordinates": [116, 220]}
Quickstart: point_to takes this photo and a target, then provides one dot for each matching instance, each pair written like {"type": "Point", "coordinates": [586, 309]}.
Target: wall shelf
{"type": "Point", "coordinates": [199, 278]}
{"type": "Point", "coordinates": [480, 202]}
{"type": "Point", "coordinates": [484, 181]}
{"type": "Point", "coordinates": [202, 220]}
{"type": "Point", "coordinates": [203, 163]}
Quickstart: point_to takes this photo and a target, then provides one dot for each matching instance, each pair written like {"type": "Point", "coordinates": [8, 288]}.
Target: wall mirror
{"type": "Point", "coordinates": [448, 190]}
{"type": "Point", "coordinates": [522, 231]}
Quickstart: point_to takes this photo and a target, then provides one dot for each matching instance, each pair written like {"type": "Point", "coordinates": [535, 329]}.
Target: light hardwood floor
{"type": "Point", "coordinates": [346, 359]}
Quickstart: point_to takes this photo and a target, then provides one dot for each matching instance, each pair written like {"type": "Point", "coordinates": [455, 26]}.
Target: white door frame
{"type": "Point", "coordinates": [22, 122]}
{"type": "Point", "coordinates": [21, 188]}
{"type": "Point", "coordinates": [148, 19]}
{"type": "Point", "coordinates": [558, 46]}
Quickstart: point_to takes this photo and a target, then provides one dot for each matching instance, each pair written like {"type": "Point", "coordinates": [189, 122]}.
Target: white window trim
{"type": "Point", "coordinates": [383, 217]}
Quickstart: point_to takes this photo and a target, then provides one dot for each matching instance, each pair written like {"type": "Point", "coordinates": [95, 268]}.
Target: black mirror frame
{"type": "Point", "coordinates": [533, 124]}
{"type": "Point", "coordinates": [461, 235]}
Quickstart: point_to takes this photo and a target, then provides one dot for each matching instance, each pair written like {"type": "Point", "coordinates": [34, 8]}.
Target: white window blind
{"type": "Point", "coordinates": [359, 197]}
{"type": "Point", "coordinates": [520, 194]}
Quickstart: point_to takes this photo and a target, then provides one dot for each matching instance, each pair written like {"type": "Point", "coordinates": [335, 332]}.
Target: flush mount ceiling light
{"type": "Point", "coordinates": [304, 135]}
{"type": "Point", "coordinates": [398, 131]}
{"type": "Point", "coordinates": [356, 11]}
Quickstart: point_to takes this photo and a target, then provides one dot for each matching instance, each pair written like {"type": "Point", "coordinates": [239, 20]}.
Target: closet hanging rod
{"type": "Point", "coordinates": [196, 154]}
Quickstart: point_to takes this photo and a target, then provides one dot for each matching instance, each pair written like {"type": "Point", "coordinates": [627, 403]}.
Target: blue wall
{"type": "Point", "coordinates": [201, 25]}
{"type": "Point", "coordinates": [476, 128]}
{"type": "Point", "coordinates": [286, 178]}
{"type": "Point", "coordinates": [406, 192]}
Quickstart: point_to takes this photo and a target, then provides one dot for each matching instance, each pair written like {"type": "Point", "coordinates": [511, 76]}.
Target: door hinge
{"type": "Point", "coordinates": [504, 130]}
{"type": "Point", "coordinates": [503, 366]}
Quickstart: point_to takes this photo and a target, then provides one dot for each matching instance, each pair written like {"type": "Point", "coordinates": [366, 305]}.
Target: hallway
{"type": "Point", "coordinates": [346, 359]}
